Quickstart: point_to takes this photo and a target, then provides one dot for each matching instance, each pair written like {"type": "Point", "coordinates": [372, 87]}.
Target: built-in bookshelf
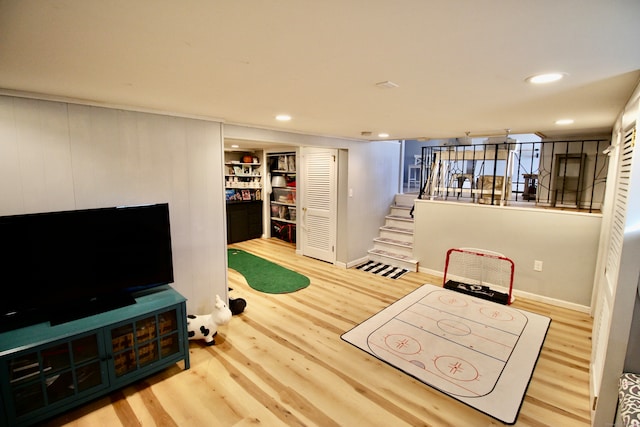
{"type": "Point", "coordinates": [243, 177]}
{"type": "Point", "coordinates": [283, 198]}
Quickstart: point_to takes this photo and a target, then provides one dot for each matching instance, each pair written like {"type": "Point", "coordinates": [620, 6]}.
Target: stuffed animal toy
{"type": "Point", "coordinates": [237, 305]}
{"type": "Point", "coordinates": [205, 326]}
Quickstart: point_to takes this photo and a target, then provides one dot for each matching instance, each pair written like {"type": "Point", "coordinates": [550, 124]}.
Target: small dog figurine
{"type": "Point", "coordinates": [205, 326]}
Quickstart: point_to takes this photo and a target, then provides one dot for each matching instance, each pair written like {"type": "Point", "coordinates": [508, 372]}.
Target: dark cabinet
{"type": "Point", "coordinates": [244, 221]}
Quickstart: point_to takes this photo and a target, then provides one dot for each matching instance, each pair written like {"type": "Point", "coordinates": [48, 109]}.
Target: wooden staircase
{"type": "Point", "coordinates": [394, 245]}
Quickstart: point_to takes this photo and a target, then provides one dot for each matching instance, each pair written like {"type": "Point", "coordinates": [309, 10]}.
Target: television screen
{"type": "Point", "coordinates": [61, 265]}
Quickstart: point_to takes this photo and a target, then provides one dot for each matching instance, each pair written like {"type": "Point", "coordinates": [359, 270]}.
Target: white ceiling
{"type": "Point", "coordinates": [460, 64]}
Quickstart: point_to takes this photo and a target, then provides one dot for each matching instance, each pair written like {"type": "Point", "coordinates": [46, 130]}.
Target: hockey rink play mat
{"type": "Point", "coordinates": [476, 351]}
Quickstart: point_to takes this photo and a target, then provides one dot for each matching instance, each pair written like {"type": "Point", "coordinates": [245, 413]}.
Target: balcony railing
{"type": "Point", "coordinates": [555, 174]}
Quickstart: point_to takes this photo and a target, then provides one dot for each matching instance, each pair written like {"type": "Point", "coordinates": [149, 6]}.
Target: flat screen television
{"type": "Point", "coordinates": [59, 266]}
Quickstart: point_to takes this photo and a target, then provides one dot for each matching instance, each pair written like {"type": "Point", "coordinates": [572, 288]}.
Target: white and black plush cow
{"type": "Point", "coordinates": [205, 326]}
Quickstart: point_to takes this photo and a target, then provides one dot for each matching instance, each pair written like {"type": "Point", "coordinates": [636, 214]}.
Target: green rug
{"type": "Point", "coordinates": [265, 276]}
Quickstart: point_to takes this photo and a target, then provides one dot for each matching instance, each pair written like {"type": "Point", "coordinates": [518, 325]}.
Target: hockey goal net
{"type": "Point", "coordinates": [481, 273]}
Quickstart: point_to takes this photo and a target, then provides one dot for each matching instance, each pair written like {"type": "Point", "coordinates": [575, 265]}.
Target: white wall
{"type": "Point", "coordinates": [59, 156]}
{"type": "Point", "coordinates": [566, 243]}
{"type": "Point", "coordinates": [374, 175]}
{"type": "Point", "coordinates": [62, 156]}
{"type": "Point", "coordinates": [370, 179]}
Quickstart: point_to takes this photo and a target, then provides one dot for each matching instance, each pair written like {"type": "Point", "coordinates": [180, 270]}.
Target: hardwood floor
{"type": "Point", "coordinates": [282, 362]}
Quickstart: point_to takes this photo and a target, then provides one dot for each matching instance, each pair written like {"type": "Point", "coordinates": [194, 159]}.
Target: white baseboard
{"type": "Point", "coordinates": [357, 262]}
{"type": "Point", "coordinates": [526, 295]}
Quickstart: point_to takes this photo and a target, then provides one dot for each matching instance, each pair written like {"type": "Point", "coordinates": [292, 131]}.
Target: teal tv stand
{"type": "Point", "coordinates": [46, 370]}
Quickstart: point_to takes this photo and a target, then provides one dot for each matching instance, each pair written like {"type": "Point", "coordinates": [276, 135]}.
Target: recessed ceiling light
{"type": "Point", "coordinates": [235, 146]}
{"type": "Point", "coordinates": [564, 121]}
{"type": "Point", "coordinates": [383, 135]}
{"type": "Point", "coordinates": [283, 117]}
{"type": "Point", "coordinates": [387, 85]}
{"type": "Point", "coordinates": [545, 78]}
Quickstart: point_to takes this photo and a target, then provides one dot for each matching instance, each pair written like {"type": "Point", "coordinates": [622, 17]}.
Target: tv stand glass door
{"type": "Point", "coordinates": [54, 373]}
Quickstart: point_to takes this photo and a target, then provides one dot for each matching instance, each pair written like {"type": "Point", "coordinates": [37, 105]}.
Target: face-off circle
{"type": "Point", "coordinates": [403, 344]}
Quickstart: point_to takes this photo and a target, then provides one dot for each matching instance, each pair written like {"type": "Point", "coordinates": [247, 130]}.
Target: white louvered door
{"type": "Point", "coordinates": [605, 316]}
{"type": "Point", "coordinates": [319, 203]}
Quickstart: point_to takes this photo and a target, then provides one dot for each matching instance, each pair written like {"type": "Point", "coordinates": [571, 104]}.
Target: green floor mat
{"type": "Point", "coordinates": [265, 276]}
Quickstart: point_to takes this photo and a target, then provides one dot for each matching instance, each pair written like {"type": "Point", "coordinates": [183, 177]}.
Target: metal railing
{"type": "Point", "coordinates": [556, 174]}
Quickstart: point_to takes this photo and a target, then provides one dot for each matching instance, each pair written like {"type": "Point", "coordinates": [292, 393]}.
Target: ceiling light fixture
{"type": "Point", "coordinates": [545, 78]}
{"type": "Point", "coordinates": [387, 85]}
{"type": "Point", "coordinates": [383, 135]}
{"type": "Point", "coordinates": [283, 117]}
{"type": "Point", "coordinates": [235, 146]}
{"type": "Point", "coordinates": [564, 122]}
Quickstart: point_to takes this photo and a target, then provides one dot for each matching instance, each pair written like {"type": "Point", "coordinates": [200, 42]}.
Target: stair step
{"type": "Point", "coordinates": [395, 246]}
{"type": "Point", "coordinates": [399, 218]}
{"type": "Point", "coordinates": [392, 255]}
{"type": "Point", "coordinates": [395, 229]}
{"type": "Point", "coordinates": [405, 199]}
{"type": "Point", "coordinates": [402, 211]}
{"type": "Point", "coordinates": [394, 242]}
{"type": "Point", "coordinates": [395, 259]}
{"type": "Point", "coordinates": [404, 235]}
{"type": "Point", "coordinates": [401, 206]}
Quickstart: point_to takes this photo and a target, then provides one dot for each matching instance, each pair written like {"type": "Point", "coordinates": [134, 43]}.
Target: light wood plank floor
{"type": "Point", "coordinates": [282, 362]}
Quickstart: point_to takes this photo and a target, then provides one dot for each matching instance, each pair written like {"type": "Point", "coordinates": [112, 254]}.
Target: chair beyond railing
{"type": "Point", "coordinates": [558, 174]}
